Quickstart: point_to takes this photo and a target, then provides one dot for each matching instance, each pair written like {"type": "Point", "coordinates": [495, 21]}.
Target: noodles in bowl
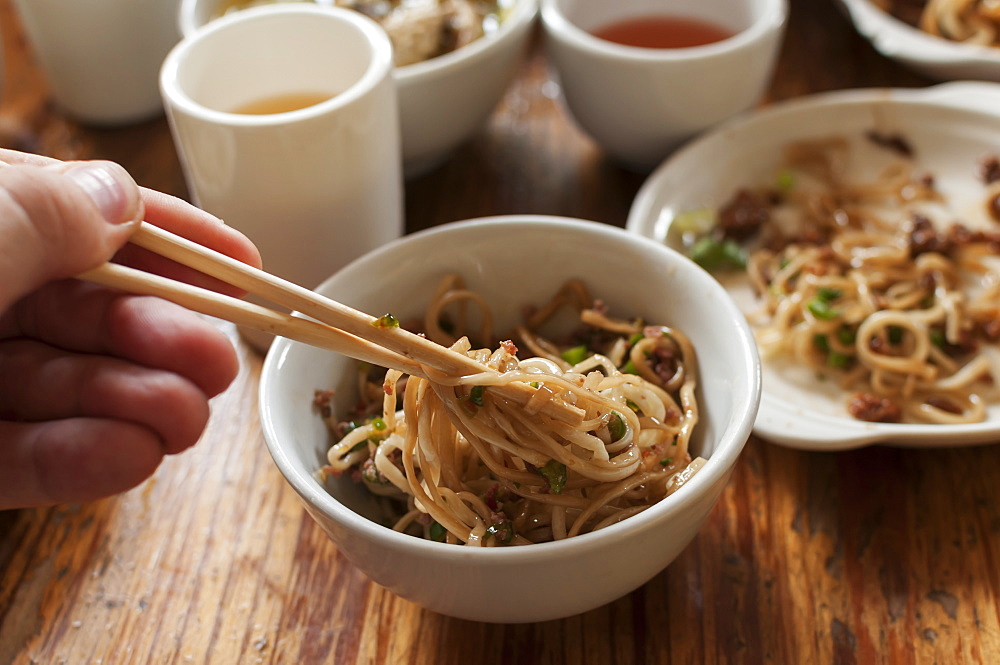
{"type": "Point", "coordinates": [473, 470]}
{"type": "Point", "coordinates": [510, 262]}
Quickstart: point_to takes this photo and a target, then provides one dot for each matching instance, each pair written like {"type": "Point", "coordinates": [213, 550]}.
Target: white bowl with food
{"type": "Point", "coordinates": [943, 40]}
{"type": "Point", "coordinates": [861, 232]}
{"type": "Point", "coordinates": [544, 534]}
{"type": "Point", "coordinates": [454, 61]}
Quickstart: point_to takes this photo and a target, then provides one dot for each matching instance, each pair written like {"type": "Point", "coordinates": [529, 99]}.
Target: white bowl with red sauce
{"type": "Point", "coordinates": [514, 261]}
{"type": "Point", "coordinates": [641, 79]}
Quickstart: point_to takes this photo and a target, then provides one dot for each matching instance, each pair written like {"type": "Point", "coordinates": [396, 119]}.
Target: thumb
{"type": "Point", "coordinates": [59, 220]}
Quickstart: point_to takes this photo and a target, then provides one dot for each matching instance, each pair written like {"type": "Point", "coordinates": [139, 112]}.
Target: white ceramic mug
{"type": "Point", "coordinates": [639, 104]}
{"type": "Point", "coordinates": [102, 57]}
{"type": "Point", "coordinates": [314, 187]}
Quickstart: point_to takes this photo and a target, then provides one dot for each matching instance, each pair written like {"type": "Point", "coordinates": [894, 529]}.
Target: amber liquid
{"type": "Point", "coordinates": [662, 32]}
{"type": "Point", "coordinates": [283, 103]}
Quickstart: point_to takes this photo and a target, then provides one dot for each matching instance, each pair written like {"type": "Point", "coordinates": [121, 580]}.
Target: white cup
{"type": "Point", "coordinates": [102, 58]}
{"type": "Point", "coordinates": [315, 187]}
{"type": "Point", "coordinates": [639, 104]}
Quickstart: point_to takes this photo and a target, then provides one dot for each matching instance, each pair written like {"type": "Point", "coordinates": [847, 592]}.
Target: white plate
{"type": "Point", "coordinates": [951, 127]}
{"type": "Point", "coordinates": [928, 54]}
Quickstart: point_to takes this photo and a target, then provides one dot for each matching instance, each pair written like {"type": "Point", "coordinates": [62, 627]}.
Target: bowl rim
{"type": "Point", "coordinates": [521, 17]}
{"type": "Point", "coordinates": [558, 26]}
{"type": "Point", "coordinates": [719, 465]}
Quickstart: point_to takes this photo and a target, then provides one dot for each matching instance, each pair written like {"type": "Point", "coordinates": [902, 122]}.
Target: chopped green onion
{"type": "Point", "coordinates": [629, 368]}
{"type": "Point", "coordinates": [476, 395]}
{"type": "Point", "coordinates": [555, 475]}
{"type": "Point", "coordinates": [784, 180]}
{"type": "Point", "coordinates": [635, 338]}
{"type": "Point", "coordinates": [386, 321]}
{"type": "Point", "coordinates": [838, 360]}
{"type": "Point", "coordinates": [828, 295]}
{"type": "Point", "coordinates": [616, 426]}
{"type": "Point", "coordinates": [847, 335]}
{"type": "Point", "coordinates": [712, 254]}
{"type": "Point", "coordinates": [632, 405]}
{"type": "Point", "coordinates": [822, 309]}
{"type": "Point", "coordinates": [379, 426]}
{"type": "Point", "coordinates": [821, 342]}
{"type": "Point", "coordinates": [575, 355]}
{"type": "Point", "coordinates": [503, 532]}
{"type": "Point", "coordinates": [437, 532]}
{"type": "Point", "coordinates": [666, 461]}
{"type": "Point", "coordinates": [937, 337]}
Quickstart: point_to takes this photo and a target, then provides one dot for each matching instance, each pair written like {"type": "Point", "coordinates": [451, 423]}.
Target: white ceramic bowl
{"type": "Point", "coordinates": [443, 101]}
{"type": "Point", "coordinates": [639, 104]}
{"type": "Point", "coordinates": [514, 261]}
{"type": "Point", "coordinates": [925, 53]}
{"type": "Point", "coordinates": [951, 128]}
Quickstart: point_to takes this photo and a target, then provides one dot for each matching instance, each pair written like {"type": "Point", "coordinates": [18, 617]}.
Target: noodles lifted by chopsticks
{"type": "Point", "coordinates": [968, 21]}
{"type": "Point", "coordinates": [469, 467]}
{"type": "Point", "coordinates": [859, 283]}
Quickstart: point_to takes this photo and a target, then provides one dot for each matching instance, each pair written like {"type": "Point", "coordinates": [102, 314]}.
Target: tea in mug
{"type": "Point", "coordinates": [283, 103]}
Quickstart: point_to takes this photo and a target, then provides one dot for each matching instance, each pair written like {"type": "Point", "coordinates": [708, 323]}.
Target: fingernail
{"type": "Point", "coordinates": [111, 188]}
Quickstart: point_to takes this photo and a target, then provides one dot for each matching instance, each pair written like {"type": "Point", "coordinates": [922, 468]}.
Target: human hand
{"type": "Point", "coordinates": [97, 386]}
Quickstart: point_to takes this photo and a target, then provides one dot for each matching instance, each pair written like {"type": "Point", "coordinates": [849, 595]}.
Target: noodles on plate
{"type": "Point", "coordinates": [461, 465]}
{"type": "Point", "coordinates": [871, 283]}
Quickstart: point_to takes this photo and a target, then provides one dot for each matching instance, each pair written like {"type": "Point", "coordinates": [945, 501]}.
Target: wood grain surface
{"type": "Point", "coordinates": [879, 555]}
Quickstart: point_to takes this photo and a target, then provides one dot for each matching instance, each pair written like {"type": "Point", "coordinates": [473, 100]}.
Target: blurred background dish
{"type": "Point", "coordinates": [419, 31]}
{"type": "Point", "coordinates": [948, 130]}
{"type": "Point", "coordinates": [102, 58]}
{"type": "Point", "coordinates": [640, 76]}
{"type": "Point", "coordinates": [448, 80]}
{"type": "Point", "coordinates": [544, 580]}
{"type": "Point", "coordinates": [930, 54]}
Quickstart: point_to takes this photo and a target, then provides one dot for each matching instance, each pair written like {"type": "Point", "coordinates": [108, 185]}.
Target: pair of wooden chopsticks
{"type": "Point", "coordinates": [337, 327]}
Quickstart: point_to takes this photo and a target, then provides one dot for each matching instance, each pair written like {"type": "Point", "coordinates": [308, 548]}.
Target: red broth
{"type": "Point", "coordinates": [662, 32]}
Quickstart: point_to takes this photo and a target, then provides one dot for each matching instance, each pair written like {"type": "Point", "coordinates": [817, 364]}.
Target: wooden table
{"type": "Point", "coordinates": [879, 555]}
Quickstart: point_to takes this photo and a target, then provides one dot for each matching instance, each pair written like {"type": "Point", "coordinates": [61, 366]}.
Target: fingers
{"type": "Point", "coordinates": [59, 220]}
{"type": "Point", "coordinates": [96, 386]}
{"type": "Point", "coordinates": [163, 210]}
{"type": "Point", "coordinates": [8, 156]}
{"type": "Point", "coordinates": [187, 221]}
{"type": "Point", "coordinates": [84, 318]}
{"type": "Point", "coordinates": [38, 382]}
{"type": "Point", "coordinates": [77, 459]}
